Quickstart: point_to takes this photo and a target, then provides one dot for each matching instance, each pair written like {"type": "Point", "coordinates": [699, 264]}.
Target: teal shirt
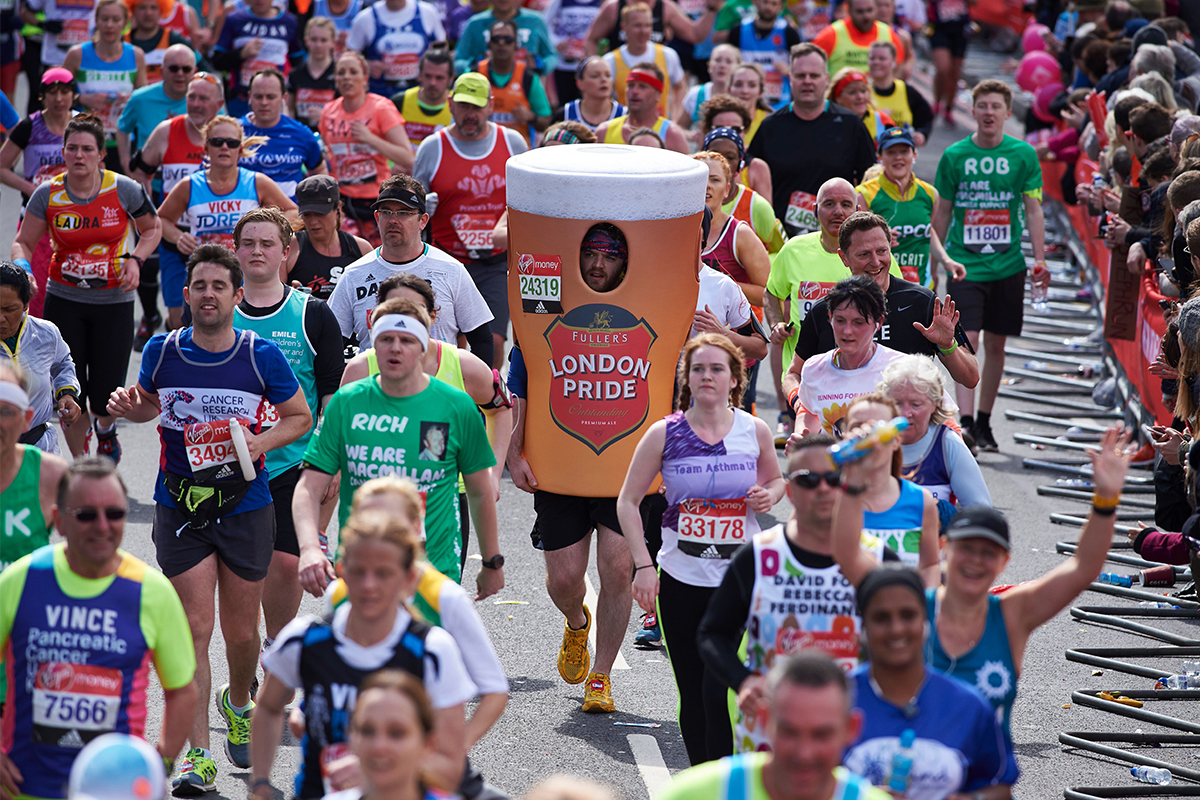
{"type": "Point", "coordinates": [531, 31]}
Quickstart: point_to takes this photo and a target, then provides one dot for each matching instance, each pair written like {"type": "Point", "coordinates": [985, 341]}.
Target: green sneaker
{"type": "Point", "coordinates": [197, 774]}
{"type": "Point", "coordinates": [237, 741]}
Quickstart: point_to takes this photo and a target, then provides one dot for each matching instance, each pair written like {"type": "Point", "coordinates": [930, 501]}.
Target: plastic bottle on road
{"type": "Point", "coordinates": [902, 763]}
{"type": "Point", "coordinates": [1073, 483]}
{"type": "Point", "coordinates": [853, 449]}
{"type": "Point", "coordinates": [1155, 775]}
{"type": "Point", "coordinates": [1180, 683]}
{"type": "Point", "coordinates": [1115, 580]}
{"type": "Point", "coordinates": [1161, 604]}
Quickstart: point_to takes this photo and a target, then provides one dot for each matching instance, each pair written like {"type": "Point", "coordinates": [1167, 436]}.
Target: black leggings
{"type": "Point", "coordinates": [100, 338]}
{"type": "Point", "coordinates": [703, 700]}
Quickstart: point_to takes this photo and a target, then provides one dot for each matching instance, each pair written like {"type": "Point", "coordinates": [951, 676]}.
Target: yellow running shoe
{"type": "Point", "coordinates": [573, 658]}
{"type": "Point", "coordinates": [598, 696]}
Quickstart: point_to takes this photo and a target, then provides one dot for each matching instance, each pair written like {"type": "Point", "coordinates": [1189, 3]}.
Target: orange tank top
{"type": "Point", "coordinates": [471, 198]}
{"type": "Point", "coordinates": [88, 238]}
{"type": "Point", "coordinates": [508, 97]}
{"type": "Point", "coordinates": [177, 20]}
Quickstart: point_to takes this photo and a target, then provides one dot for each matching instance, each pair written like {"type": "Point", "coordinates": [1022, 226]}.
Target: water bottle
{"type": "Point", "coordinates": [1191, 669]}
{"type": "Point", "coordinates": [1114, 579]}
{"type": "Point", "coordinates": [1155, 775]}
{"type": "Point", "coordinates": [855, 448]}
{"type": "Point", "coordinates": [1073, 483]}
{"type": "Point", "coordinates": [1039, 365]}
{"type": "Point", "coordinates": [1160, 604]}
{"type": "Point", "coordinates": [1038, 292]}
{"type": "Point", "coordinates": [902, 763]}
{"type": "Point", "coordinates": [1181, 682]}
{"type": "Point", "coordinates": [431, 203]}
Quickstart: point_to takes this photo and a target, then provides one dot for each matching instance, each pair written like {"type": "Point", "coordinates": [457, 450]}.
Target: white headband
{"type": "Point", "coordinates": [401, 323]}
{"type": "Point", "coordinates": [14, 394]}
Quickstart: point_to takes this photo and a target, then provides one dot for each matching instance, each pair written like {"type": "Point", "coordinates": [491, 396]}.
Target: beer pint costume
{"type": "Point", "coordinates": [601, 365]}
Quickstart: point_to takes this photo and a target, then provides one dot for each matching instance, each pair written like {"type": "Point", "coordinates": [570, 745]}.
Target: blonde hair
{"type": "Point", "coordinates": [634, 8]}
{"type": "Point", "coordinates": [391, 487]}
{"type": "Point", "coordinates": [716, 158]}
{"type": "Point", "coordinates": [921, 374]}
{"type": "Point", "coordinates": [250, 144]}
{"type": "Point", "coordinates": [376, 526]}
{"type": "Point", "coordinates": [321, 22]}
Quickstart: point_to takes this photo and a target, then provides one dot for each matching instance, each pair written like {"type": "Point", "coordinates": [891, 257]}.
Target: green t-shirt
{"type": "Point", "coordinates": [988, 188]}
{"type": "Point", "coordinates": [427, 438]}
{"type": "Point", "coordinates": [740, 778]}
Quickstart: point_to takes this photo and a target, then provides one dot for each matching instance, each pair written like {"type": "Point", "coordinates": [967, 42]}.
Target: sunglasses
{"type": "Point", "coordinates": [807, 479]}
{"type": "Point", "coordinates": [504, 39]}
{"type": "Point", "coordinates": [221, 141]}
{"type": "Point", "coordinates": [92, 514]}
{"type": "Point", "coordinates": [180, 68]}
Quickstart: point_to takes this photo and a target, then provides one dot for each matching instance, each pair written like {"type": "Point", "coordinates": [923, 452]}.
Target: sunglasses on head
{"type": "Point", "coordinates": [807, 479]}
{"type": "Point", "coordinates": [207, 77]}
{"type": "Point", "coordinates": [93, 514]}
{"type": "Point", "coordinates": [221, 141]}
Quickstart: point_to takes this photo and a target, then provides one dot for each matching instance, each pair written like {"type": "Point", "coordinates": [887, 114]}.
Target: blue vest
{"type": "Point", "coordinates": [899, 527]}
{"type": "Point", "coordinates": [343, 22]}
{"type": "Point", "coordinates": [931, 472]}
{"type": "Point", "coordinates": [192, 394]}
{"type": "Point", "coordinates": [571, 112]}
{"type": "Point", "coordinates": [77, 669]}
{"type": "Point", "coordinates": [290, 147]}
{"type": "Point", "coordinates": [409, 40]}
{"type": "Point", "coordinates": [765, 52]}
{"type": "Point", "coordinates": [214, 216]}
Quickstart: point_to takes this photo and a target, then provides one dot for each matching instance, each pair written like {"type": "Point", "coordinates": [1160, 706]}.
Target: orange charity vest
{"type": "Point", "coordinates": [88, 238]}
{"type": "Point", "coordinates": [470, 198]}
{"type": "Point", "coordinates": [506, 98]}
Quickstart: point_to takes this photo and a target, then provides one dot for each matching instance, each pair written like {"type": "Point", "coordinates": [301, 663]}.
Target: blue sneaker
{"type": "Point", "coordinates": [650, 634]}
{"type": "Point", "coordinates": [237, 741]}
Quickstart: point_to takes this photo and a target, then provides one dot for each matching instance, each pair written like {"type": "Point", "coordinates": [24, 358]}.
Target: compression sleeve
{"type": "Point", "coordinates": [482, 345]}
{"type": "Point", "coordinates": [921, 112]}
{"type": "Point", "coordinates": [720, 631]}
{"type": "Point", "coordinates": [808, 343]}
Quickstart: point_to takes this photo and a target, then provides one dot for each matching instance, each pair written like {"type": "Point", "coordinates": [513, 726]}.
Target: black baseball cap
{"type": "Point", "coordinates": [317, 194]}
{"type": "Point", "coordinates": [895, 135]}
{"type": "Point", "coordinates": [402, 196]}
{"type": "Point", "coordinates": [979, 522]}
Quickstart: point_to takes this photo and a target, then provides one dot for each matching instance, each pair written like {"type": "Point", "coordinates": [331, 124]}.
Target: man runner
{"type": "Point", "coordinates": [643, 88]}
{"type": "Point", "coordinates": [292, 150]}
{"type": "Point", "coordinates": [213, 530]}
{"type": "Point", "coordinates": [426, 106]}
{"type": "Point", "coordinates": [990, 192]}
{"type": "Point", "coordinates": [848, 41]}
{"type": "Point", "coordinates": [80, 623]}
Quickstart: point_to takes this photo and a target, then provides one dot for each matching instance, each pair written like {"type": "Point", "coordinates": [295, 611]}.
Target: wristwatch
{"type": "Point", "coordinates": [495, 562]}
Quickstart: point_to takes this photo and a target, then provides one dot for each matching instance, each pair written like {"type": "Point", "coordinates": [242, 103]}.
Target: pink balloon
{"type": "Point", "coordinates": [1037, 69]}
{"type": "Point", "coordinates": [1031, 39]}
{"type": "Point", "coordinates": [1042, 99]}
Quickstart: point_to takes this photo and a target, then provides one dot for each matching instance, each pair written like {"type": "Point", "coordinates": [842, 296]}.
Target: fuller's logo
{"type": "Point", "coordinates": [599, 371]}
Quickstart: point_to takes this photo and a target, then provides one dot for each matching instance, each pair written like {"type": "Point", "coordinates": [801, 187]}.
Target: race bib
{"type": "Point", "coordinates": [272, 54]}
{"type": "Point", "coordinates": [910, 274]}
{"type": "Point", "coordinates": [217, 238]}
{"type": "Point", "coordinates": [268, 415]}
{"type": "Point", "coordinates": [332, 758]}
{"type": "Point", "coordinates": [773, 90]}
{"type": "Point", "coordinates": [353, 163]}
{"type": "Point", "coordinates": [540, 281]}
{"type": "Point", "coordinates": [575, 50]}
{"type": "Point", "coordinates": [950, 10]}
{"type": "Point", "coordinates": [339, 44]}
{"type": "Point", "coordinates": [311, 102]}
{"type": "Point", "coordinates": [400, 66]}
{"type": "Point", "coordinates": [74, 697]}
{"type": "Point", "coordinates": [840, 643]}
{"type": "Point", "coordinates": [74, 31]}
{"type": "Point", "coordinates": [47, 172]}
{"type": "Point", "coordinates": [802, 212]}
{"type": "Point", "coordinates": [110, 112]}
{"type": "Point", "coordinates": [209, 446]}
{"type": "Point", "coordinates": [693, 8]}
{"type": "Point", "coordinates": [987, 230]}
{"type": "Point", "coordinates": [89, 272]}
{"type": "Point", "coordinates": [474, 230]}
{"type": "Point", "coordinates": [712, 528]}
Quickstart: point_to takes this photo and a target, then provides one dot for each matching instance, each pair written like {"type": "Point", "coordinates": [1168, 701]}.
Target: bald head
{"type": "Point", "coordinates": [835, 201]}
{"type": "Point", "coordinates": [178, 67]}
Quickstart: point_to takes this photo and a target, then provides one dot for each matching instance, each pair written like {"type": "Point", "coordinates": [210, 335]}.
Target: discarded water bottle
{"type": "Point", "coordinates": [1155, 775]}
{"type": "Point", "coordinates": [853, 449]}
{"type": "Point", "coordinates": [1038, 365]}
{"type": "Point", "coordinates": [1114, 579]}
{"type": "Point", "coordinates": [1160, 604]}
{"type": "Point", "coordinates": [1181, 682]}
{"type": "Point", "coordinates": [1090, 369]}
{"type": "Point", "coordinates": [1191, 668]}
{"type": "Point", "coordinates": [902, 763]}
{"type": "Point", "coordinates": [1073, 483]}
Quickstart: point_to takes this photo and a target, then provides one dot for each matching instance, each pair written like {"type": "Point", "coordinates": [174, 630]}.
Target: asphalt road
{"type": "Point", "coordinates": [543, 730]}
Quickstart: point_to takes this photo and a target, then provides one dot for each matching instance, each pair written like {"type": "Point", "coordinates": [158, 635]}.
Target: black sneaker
{"type": "Point", "coordinates": [984, 439]}
{"type": "Point", "coordinates": [145, 330]}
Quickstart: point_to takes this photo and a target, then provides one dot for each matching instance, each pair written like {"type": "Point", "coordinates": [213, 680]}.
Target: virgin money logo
{"type": "Point", "coordinates": [203, 433]}
{"type": "Point", "coordinates": [524, 262]}
{"type": "Point", "coordinates": [811, 290]}
{"type": "Point", "coordinates": [55, 677]}
{"type": "Point", "coordinates": [599, 373]}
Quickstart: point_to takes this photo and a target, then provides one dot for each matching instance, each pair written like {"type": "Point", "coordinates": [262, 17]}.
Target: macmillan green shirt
{"type": "Point", "coordinates": [427, 438]}
{"type": "Point", "coordinates": [988, 188]}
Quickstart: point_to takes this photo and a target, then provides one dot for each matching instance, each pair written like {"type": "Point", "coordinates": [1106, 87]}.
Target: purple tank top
{"type": "Point", "coordinates": [43, 154]}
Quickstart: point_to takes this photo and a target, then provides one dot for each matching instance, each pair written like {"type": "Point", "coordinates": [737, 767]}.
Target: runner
{"type": "Point", "coordinates": [567, 22]}
{"type": "Point", "coordinates": [722, 120]}
{"type": "Point", "coordinates": [38, 347]}
{"type": "Point", "coordinates": [720, 67]}
{"type": "Point", "coordinates": [594, 104]}
{"type": "Point", "coordinates": [533, 45]}
{"type": "Point", "coordinates": [329, 659]}
{"type": "Point", "coordinates": [907, 202]}
{"type": "Point", "coordinates": [323, 250]}
{"type": "Point", "coordinates": [902, 699]}
{"type": "Point", "coordinates": [393, 35]}
{"type": "Point", "coordinates": [691, 448]}
{"type": "Point", "coordinates": [64, 25]}
{"type": "Point", "coordinates": [257, 36]}
{"type": "Point", "coordinates": [917, 320]}
{"type": "Point", "coordinates": [139, 620]}
{"type": "Point", "coordinates": [906, 106]}
{"type": "Point", "coordinates": [847, 42]}
{"type": "Point", "coordinates": [747, 83]}
{"type": "Point", "coordinates": [108, 70]}
{"type": "Point", "coordinates": [342, 14]}
{"type": "Point", "coordinates": [402, 217]}
{"type": "Point", "coordinates": [752, 599]}
{"type": "Point", "coordinates": [806, 701]}
{"type": "Point", "coordinates": [432, 432]}
{"type": "Point", "coordinates": [152, 38]}
{"type": "Point", "coordinates": [177, 144]}
{"type": "Point", "coordinates": [464, 165]}
{"type": "Point", "coordinates": [158, 100]}
{"type": "Point", "coordinates": [426, 106]}
{"type": "Point", "coordinates": [987, 633]}
{"type": "Point", "coordinates": [37, 141]}
{"type": "Point", "coordinates": [742, 202]}
{"type": "Point", "coordinates": [851, 89]}
{"type": "Point", "coordinates": [766, 39]}
{"type": "Point", "coordinates": [644, 86]}
{"type": "Point", "coordinates": [564, 523]}
{"type": "Point", "coordinates": [290, 150]}
{"type": "Point", "coordinates": [950, 20]}
{"type": "Point", "coordinates": [665, 15]}
{"type": "Point", "coordinates": [518, 99]}
{"type": "Point", "coordinates": [307, 333]}
{"type": "Point", "coordinates": [636, 27]}
{"type": "Point", "coordinates": [311, 85]}
{"type": "Point", "coordinates": [990, 193]}
{"type": "Point", "coordinates": [797, 173]}
{"type": "Point", "coordinates": [213, 530]}
{"type": "Point", "coordinates": [93, 271]}
{"type": "Point", "coordinates": [361, 165]}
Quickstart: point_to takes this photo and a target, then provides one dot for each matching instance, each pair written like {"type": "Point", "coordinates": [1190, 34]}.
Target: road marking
{"type": "Point", "coordinates": [591, 599]}
{"type": "Point", "coordinates": [650, 762]}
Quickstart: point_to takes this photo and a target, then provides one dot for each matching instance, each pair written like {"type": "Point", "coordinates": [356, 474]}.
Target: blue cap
{"type": "Point", "coordinates": [895, 135]}
{"type": "Point", "coordinates": [117, 766]}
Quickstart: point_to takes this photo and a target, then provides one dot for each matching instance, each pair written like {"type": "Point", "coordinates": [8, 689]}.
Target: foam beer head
{"type": "Point", "coordinates": [601, 364]}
